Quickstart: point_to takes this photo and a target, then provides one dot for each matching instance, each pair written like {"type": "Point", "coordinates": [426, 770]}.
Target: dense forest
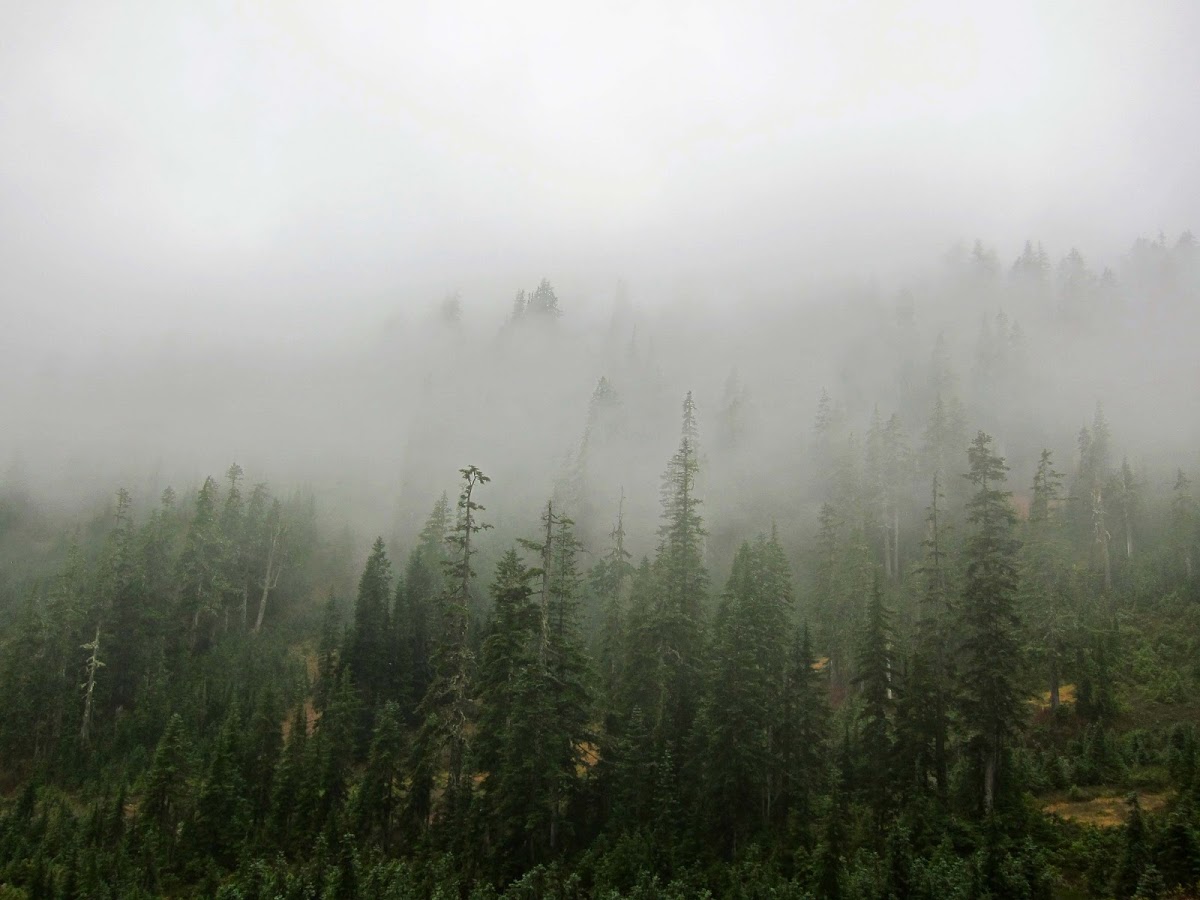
{"type": "Point", "coordinates": [914, 612]}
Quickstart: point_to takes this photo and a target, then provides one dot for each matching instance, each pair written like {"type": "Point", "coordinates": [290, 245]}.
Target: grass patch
{"type": "Point", "coordinates": [1099, 806]}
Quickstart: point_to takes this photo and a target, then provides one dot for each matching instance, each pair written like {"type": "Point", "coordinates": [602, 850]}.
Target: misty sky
{"type": "Point", "coordinates": [265, 168]}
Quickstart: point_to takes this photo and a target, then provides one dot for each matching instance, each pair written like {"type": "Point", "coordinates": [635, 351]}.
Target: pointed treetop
{"type": "Point", "coordinates": [690, 432]}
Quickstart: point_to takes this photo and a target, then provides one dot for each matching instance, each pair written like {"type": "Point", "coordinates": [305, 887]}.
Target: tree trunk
{"type": "Point", "coordinates": [270, 580]}
{"type": "Point", "coordinates": [989, 780]}
{"type": "Point", "coordinates": [1054, 682]}
{"type": "Point", "coordinates": [85, 729]}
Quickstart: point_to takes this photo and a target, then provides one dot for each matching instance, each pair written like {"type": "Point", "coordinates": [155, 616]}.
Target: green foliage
{"type": "Point", "coordinates": [614, 735]}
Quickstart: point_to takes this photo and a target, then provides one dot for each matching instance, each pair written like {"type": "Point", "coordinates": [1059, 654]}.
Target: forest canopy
{"type": "Point", "coordinates": [900, 600]}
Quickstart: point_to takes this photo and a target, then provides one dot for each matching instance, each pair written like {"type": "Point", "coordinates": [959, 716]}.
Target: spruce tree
{"type": "Point", "coordinates": [610, 581]}
{"type": "Point", "coordinates": [369, 653]}
{"type": "Point", "coordinates": [418, 611]}
{"type": "Point", "coordinates": [165, 786]}
{"type": "Point", "coordinates": [1046, 590]}
{"type": "Point", "coordinates": [380, 793]}
{"type": "Point", "coordinates": [567, 674]}
{"type": "Point", "coordinates": [681, 583]}
{"type": "Point", "coordinates": [221, 812]}
{"type": "Point", "coordinates": [124, 608]}
{"type": "Point", "coordinates": [446, 708]}
{"type": "Point", "coordinates": [201, 576]}
{"type": "Point", "coordinates": [876, 715]}
{"type": "Point", "coordinates": [925, 706]}
{"type": "Point", "coordinates": [508, 655]}
{"type": "Point", "coordinates": [992, 707]}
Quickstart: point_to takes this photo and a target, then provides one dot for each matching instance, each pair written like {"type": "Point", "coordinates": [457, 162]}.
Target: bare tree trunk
{"type": "Point", "coordinates": [94, 663]}
{"type": "Point", "coordinates": [989, 780]}
{"type": "Point", "coordinates": [270, 577]}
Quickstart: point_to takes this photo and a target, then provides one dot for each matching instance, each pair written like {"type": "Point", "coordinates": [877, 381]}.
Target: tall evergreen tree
{"type": "Point", "coordinates": [1045, 579]}
{"type": "Point", "coordinates": [369, 653]}
{"type": "Point", "coordinates": [201, 576]}
{"type": "Point", "coordinates": [803, 738]}
{"type": "Point", "coordinates": [875, 681]}
{"type": "Point", "coordinates": [447, 706]}
{"type": "Point", "coordinates": [418, 606]}
{"type": "Point", "coordinates": [742, 731]}
{"type": "Point", "coordinates": [924, 712]}
{"type": "Point", "coordinates": [681, 582]}
{"type": "Point", "coordinates": [992, 707]}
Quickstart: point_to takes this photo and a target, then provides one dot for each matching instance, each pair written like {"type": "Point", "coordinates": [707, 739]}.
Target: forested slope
{"type": "Point", "coordinates": [907, 650]}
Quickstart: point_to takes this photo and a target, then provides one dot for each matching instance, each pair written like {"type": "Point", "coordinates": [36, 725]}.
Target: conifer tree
{"type": "Point", "coordinates": [165, 788]}
{"type": "Point", "coordinates": [447, 705]}
{"type": "Point", "coordinates": [1045, 585]}
{"type": "Point", "coordinates": [567, 675]}
{"type": "Point", "coordinates": [1136, 853]}
{"type": "Point", "coordinates": [740, 725]}
{"type": "Point", "coordinates": [333, 754]}
{"type": "Point", "coordinates": [201, 577]}
{"type": "Point", "coordinates": [876, 716]}
{"type": "Point", "coordinates": [508, 657]}
{"type": "Point", "coordinates": [681, 583]}
{"type": "Point", "coordinates": [220, 805]}
{"type": "Point", "coordinates": [991, 695]}
{"type": "Point", "coordinates": [804, 714]}
{"type": "Point", "coordinates": [732, 719]}
{"type": "Point", "coordinates": [260, 748]}
{"type": "Point", "coordinates": [290, 803]}
{"type": "Point", "coordinates": [124, 608]}
{"type": "Point", "coordinates": [543, 302]}
{"type": "Point", "coordinates": [610, 581]}
{"type": "Point", "coordinates": [369, 656]}
{"type": "Point", "coordinates": [233, 525]}
{"type": "Point", "coordinates": [379, 796]}
{"type": "Point", "coordinates": [925, 705]}
{"type": "Point", "coordinates": [1125, 493]}
{"type": "Point", "coordinates": [418, 607]}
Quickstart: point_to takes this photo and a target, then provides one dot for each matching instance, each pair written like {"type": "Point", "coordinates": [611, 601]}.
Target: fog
{"type": "Point", "coordinates": [230, 232]}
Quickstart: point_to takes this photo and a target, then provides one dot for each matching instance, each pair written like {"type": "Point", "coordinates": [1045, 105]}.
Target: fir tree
{"type": "Point", "coordinates": [991, 699]}
{"type": "Point", "coordinates": [220, 806]}
{"type": "Point", "coordinates": [1045, 586]}
{"type": "Point", "coordinates": [925, 706]}
{"type": "Point", "coordinates": [447, 706]}
{"type": "Point", "coordinates": [418, 606]}
{"type": "Point", "coordinates": [165, 787]}
{"type": "Point", "coordinates": [803, 734]}
{"type": "Point", "coordinates": [681, 584]}
{"type": "Point", "coordinates": [368, 656]}
{"type": "Point", "coordinates": [201, 577]}
{"type": "Point", "coordinates": [876, 716]}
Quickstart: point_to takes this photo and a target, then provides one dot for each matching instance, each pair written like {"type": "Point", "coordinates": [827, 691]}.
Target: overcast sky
{"type": "Point", "coordinates": [184, 167]}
